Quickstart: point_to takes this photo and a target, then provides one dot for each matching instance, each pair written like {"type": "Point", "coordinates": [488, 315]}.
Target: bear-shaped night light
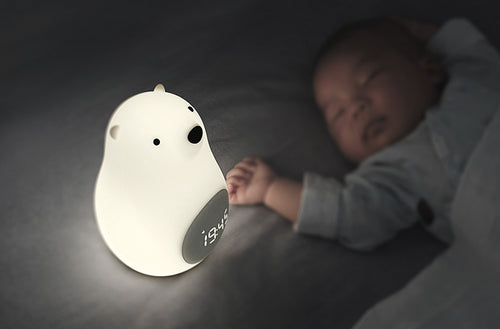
{"type": "Point", "coordinates": [160, 198]}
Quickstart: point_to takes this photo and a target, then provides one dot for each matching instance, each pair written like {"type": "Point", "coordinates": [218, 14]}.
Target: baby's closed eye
{"type": "Point", "coordinates": [373, 74]}
{"type": "Point", "coordinates": [334, 113]}
{"type": "Point", "coordinates": [338, 114]}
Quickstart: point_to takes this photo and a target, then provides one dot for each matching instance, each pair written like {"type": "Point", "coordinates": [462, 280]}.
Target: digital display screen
{"type": "Point", "coordinates": [206, 229]}
{"type": "Point", "coordinates": [211, 235]}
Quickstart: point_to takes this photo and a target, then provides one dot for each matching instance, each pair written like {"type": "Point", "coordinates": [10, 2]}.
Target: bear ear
{"type": "Point", "coordinates": [113, 132]}
{"type": "Point", "coordinates": [159, 87]}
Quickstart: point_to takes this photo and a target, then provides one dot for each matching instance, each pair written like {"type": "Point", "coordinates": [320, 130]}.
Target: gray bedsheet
{"type": "Point", "coordinates": [245, 66]}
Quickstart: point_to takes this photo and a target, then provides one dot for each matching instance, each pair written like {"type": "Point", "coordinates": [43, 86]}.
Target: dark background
{"type": "Point", "coordinates": [245, 65]}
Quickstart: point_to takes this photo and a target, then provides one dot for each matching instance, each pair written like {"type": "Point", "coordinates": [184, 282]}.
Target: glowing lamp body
{"type": "Point", "coordinates": [160, 198]}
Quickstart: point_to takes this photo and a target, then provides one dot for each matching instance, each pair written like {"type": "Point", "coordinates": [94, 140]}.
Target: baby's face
{"type": "Point", "coordinates": [372, 96]}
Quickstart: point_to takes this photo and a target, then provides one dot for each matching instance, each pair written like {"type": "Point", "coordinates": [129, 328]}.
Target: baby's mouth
{"type": "Point", "coordinates": [374, 128]}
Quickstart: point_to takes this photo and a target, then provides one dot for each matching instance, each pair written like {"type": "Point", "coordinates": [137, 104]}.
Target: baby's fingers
{"type": "Point", "coordinates": [239, 171]}
{"type": "Point", "coordinates": [236, 181]}
{"type": "Point", "coordinates": [233, 187]}
{"type": "Point", "coordinates": [232, 194]}
{"type": "Point", "coordinates": [247, 164]}
{"type": "Point", "coordinates": [233, 198]}
{"type": "Point", "coordinates": [421, 30]}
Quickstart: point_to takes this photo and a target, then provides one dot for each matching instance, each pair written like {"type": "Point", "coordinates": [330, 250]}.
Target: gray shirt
{"type": "Point", "coordinates": [414, 179]}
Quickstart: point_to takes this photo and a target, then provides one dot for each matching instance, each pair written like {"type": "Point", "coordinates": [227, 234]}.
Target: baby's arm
{"type": "Point", "coordinates": [369, 209]}
{"type": "Point", "coordinates": [459, 42]}
{"type": "Point", "coordinates": [251, 181]}
{"type": "Point", "coordinates": [464, 50]}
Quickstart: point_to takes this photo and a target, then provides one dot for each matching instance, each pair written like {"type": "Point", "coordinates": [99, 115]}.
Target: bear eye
{"type": "Point", "coordinates": [195, 135]}
{"type": "Point", "coordinates": [156, 141]}
{"type": "Point", "coordinates": [191, 108]}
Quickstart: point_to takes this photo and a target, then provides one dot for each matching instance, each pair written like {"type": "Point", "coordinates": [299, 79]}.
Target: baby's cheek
{"type": "Point", "coordinates": [333, 133]}
{"type": "Point", "coordinates": [411, 90]}
{"type": "Point", "coordinates": [352, 147]}
{"type": "Point", "coordinates": [386, 138]}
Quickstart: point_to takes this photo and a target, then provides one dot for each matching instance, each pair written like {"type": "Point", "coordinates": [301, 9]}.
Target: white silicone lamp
{"type": "Point", "coordinates": [160, 198]}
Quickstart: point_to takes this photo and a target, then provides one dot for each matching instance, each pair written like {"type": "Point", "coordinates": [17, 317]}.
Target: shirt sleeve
{"type": "Point", "coordinates": [373, 204]}
{"type": "Point", "coordinates": [465, 51]}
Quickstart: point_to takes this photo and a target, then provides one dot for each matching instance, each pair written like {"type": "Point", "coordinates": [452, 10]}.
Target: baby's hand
{"type": "Point", "coordinates": [249, 181]}
{"type": "Point", "coordinates": [421, 30]}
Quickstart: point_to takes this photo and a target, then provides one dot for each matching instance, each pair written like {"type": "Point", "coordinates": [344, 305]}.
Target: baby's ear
{"type": "Point", "coordinates": [113, 132]}
{"type": "Point", "coordinates": [433, 68]}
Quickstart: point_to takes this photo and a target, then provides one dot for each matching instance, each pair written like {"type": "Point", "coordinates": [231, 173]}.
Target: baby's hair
{"type": "Point", "coordinates": [411, 47]}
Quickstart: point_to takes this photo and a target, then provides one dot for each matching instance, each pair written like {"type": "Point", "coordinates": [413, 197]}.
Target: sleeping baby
{"type": "Point", "coordinates": [407, 103]}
